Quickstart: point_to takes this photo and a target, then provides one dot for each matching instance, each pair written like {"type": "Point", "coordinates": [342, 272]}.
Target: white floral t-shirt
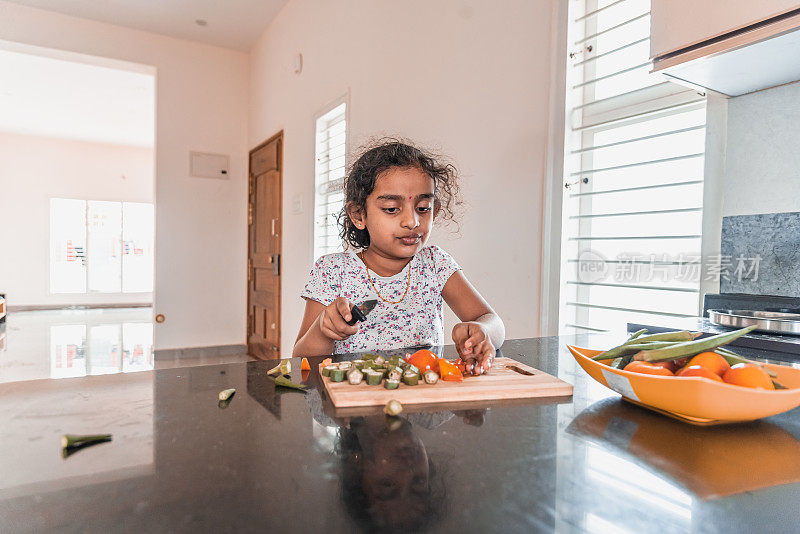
{"type": "Point", "coordinates": [416, 320]}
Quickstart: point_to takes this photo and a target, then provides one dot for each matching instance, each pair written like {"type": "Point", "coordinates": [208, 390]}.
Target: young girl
{"type": "Point", "coordinates": [393, 194]}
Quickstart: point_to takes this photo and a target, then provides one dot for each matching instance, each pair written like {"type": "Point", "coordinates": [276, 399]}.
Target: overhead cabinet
{"type": "Point", "coordinates": [693, 43]}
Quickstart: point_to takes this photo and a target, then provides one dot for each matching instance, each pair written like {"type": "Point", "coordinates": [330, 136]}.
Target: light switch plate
{"type": "Point", "coordinates": [297, 204]}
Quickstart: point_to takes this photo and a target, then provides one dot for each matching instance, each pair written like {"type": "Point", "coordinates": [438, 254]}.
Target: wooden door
{"type": "Point", "coordinates": [264, 250]}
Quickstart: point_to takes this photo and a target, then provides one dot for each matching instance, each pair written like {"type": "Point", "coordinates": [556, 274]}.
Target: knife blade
{"type": "Point", "coordinates": [360, 312]}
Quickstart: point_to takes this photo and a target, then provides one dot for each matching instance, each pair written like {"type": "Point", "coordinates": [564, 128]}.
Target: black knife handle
{"type": "Point", "coordinates": [357, 316]}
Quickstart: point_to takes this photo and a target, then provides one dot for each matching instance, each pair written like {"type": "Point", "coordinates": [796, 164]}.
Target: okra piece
{"type": "Point", "coordinates": [358, 364]}
{"type": "Point", "coordinates": [391, 384]}
{"type": "Point", "coordinates": [369, 357]}
{"type": "Point", "coordinates": [412, 368]}
{"type": "Point", "coordinates": [431, 377]}
{"type": "Point", "coordinates": [732, 358]}
{"type": "Point", "coordinates": [393, 408]}
{"type": "Point", "coordinates": [374, 378]}
{"type": "Point", "coordinates": [636, 334]}
{"type": "Point", "coordinates": [225, 394]}
{"type": "Point", "coordinates": [77, 440]}
{"type": "Point", "coordinates": [691, 348]}
{"type": "Point", "coordinates": [679, 335]}
{"type": "Point", "coordinates": [326, 371]}
{"type": "Point", "coordinates": [337, 375]}
{"type": "Point", "coordinates": [383, 371]}
{"type": "Point", "coordinates": [284, 368]}
{"type": "Point", "coordinates": [621, 362]}
{"type": "Point", "coordinates": [395, 373]}
{"type": "Point", "coordinates": [379, 360]}
{"type": "Point", "coordinates": [626, 350]}
{"type": "Point", "coordinates": [354, 376]}
{"type": "Point", "coordinates": [410, 378]}
{"type": "Point", "coordinates": [285, 382]}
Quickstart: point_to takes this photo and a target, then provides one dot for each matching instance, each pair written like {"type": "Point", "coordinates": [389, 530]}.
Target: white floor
{"type": "Point", "coordinates": [71, 343]}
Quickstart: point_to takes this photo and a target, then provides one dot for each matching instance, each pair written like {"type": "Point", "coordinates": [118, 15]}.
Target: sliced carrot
{"type": "Point", "coordinates": [304, 365]}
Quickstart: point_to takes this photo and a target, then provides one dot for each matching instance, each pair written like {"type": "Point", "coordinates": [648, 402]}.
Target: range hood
{"type": "Point", "coordinates": [755, 57]}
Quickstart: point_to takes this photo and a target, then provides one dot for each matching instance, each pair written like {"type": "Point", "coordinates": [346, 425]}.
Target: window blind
{"type": "Point", "coordinates": [633, 185]}
{"type": "Point", "coordinates": [329, 171]}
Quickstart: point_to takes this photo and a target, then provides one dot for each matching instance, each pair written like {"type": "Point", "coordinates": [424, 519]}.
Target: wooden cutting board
{"type": "Point", "coordinates": [508, 379]}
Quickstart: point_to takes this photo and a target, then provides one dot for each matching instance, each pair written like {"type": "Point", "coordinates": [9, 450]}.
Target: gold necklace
{"type": "Point", "coordinates": [408, 282]}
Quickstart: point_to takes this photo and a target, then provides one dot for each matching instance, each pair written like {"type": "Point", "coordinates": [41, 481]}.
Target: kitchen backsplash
{"type": "Point", "coordinates": [761, 254]}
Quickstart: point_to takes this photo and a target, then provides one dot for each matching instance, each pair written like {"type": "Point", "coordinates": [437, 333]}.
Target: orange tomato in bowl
{"type": "Point", "coordinates": [699, 370]}
{"type": "Point", "coordinates": [648, 368]}
{"type": "Point", "coordinates": [670, 365]}
{"type": "Point", "coordinates": [748, 375]}
{"type": "Point", "coordinates": [711, 361]}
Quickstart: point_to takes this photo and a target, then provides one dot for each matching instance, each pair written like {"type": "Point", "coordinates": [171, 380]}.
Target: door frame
{"type": "Point", "coordinates": [278, 136]}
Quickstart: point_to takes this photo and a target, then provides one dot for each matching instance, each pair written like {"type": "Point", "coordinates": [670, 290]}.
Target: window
{"type": "Point", "coordinates": [100, 246]}
{"type": "Point", "coordinates": [329, 170]}
{"type": "Point", "coordinates": [633, 176]}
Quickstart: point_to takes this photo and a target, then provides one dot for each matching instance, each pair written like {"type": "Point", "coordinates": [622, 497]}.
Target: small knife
{"type": "Point", "coordinates": [359, 313]}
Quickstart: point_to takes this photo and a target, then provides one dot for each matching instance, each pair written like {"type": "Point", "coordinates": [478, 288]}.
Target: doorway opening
{"type": "Point", "coordinates": [78, 199]}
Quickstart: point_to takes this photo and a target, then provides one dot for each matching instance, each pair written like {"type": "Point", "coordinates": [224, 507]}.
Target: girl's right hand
{"type": "Point", "coordinates": [333, 320]}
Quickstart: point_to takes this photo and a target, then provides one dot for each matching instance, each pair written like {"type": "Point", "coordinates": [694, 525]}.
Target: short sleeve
{"type": "Point", "coordinates": [444, 265]}
{"type": "Point", "coordinates": [324, 281]}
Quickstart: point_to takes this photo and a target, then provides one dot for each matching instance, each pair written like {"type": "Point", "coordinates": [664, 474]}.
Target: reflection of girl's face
{"type": "Point", "coordinates": [395, 477]}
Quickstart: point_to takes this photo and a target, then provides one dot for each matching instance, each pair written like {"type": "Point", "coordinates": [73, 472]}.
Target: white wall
{"type": "Point", "coordinates": [201, 231]}
{"type": "Point", "coordinates": [469, 78]}
{"type": "Point", "coordinates": [35, 169]}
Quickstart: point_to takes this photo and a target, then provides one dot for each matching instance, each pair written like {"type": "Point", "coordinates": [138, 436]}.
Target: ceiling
{"type": "Point", "coordinates": [233, 24]}
{"type": "Point", "coordinates": [55, 98]}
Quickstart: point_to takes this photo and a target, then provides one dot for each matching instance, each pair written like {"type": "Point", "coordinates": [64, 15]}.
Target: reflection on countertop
{"type": "Point", "coordinates": [75, 342]}
{"type": "Point", "coordinates": [279, 459]}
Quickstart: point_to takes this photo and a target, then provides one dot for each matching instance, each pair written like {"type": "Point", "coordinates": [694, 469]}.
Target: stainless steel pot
{"type": "Point", "coordinates": [776, 322]}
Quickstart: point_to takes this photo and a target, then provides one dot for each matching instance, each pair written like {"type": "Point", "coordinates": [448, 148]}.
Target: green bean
{"type": "Point", "coordinates": [690, 348]}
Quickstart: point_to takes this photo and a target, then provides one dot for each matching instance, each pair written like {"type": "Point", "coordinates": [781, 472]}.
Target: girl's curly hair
{"type": "Point", "coordinates": [382, 155]}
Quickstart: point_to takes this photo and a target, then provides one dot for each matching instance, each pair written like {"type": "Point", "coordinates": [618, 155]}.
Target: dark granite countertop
{"type": "Point", "coordinates": [280, 461]}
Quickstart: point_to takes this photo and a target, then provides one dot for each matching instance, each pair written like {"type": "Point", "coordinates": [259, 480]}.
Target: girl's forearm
{"type": "Point", "coordinates": [494, 327]}
{"type": "Point", "coordinates": [313, 342]}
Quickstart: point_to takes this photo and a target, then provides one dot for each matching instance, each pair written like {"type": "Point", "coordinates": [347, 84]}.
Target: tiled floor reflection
{"type": "Point", "coordinates": [73, 343]}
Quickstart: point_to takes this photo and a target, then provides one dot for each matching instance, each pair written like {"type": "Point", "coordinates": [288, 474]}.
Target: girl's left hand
{"type": "Point", "coordinates": [474, 347]}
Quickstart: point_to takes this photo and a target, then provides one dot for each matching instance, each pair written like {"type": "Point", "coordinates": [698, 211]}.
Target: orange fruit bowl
{"type": "Point", "coordinates": [694, 399]}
